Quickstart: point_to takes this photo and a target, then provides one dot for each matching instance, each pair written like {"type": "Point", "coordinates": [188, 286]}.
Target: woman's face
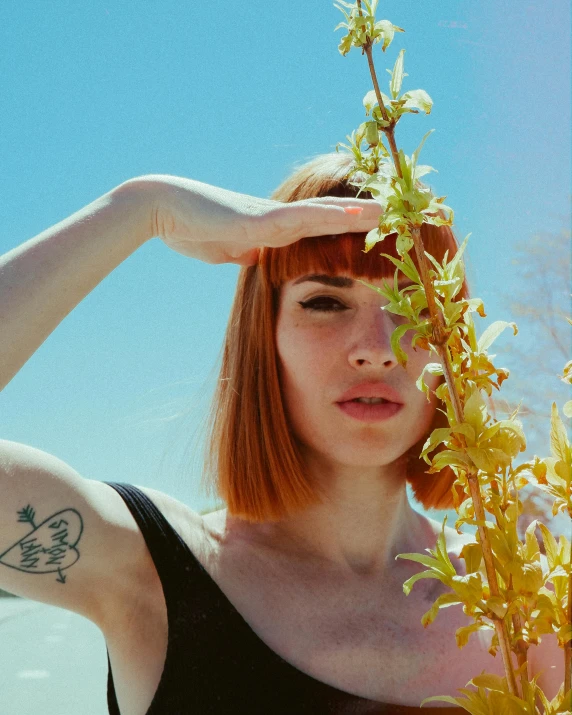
{"type": "Point", "coordinates": [332, 337]}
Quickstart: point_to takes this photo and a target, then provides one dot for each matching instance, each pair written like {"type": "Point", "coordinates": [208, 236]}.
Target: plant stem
{"type": "Point", "coordinates": [568, 646]}
{"type": "Point", "coordinates": [499, 623]}
{"type": "Point", "coordinates": [441, 335]}
{"type": "Point", "coordinates": [388, 131]}
{"type": "Point", "coordinates": [440, 339]}
{"type": "Point", "coordinates": [521, 650]}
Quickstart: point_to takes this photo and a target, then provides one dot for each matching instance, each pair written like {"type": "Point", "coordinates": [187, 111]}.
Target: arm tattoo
{"type": "Point", "coordinates": [50, 547]}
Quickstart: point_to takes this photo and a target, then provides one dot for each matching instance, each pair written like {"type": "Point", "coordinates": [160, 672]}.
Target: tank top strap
{"type": "Point", "coordinates": [168, 550]}
{"type": "Point", "coordinates": [170, 554]}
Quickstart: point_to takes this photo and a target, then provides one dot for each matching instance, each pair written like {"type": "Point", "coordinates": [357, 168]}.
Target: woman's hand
{"type": "Point", "coordinates": [220, 226]}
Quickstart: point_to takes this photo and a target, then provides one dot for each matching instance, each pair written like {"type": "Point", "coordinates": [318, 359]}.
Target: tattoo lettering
{"type": "Point", "coordinates": [50, 547]}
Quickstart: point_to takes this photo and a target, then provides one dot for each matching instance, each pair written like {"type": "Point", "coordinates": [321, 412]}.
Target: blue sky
{"type": "Point", "coordinates": [237, 94]}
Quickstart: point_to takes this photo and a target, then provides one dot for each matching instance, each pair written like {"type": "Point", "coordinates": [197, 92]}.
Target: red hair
{"type": "Point", "coordinates": [252, 460]}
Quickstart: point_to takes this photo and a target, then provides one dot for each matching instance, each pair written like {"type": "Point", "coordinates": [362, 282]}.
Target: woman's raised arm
{"type": "Point", "coordinates": [43, 279]}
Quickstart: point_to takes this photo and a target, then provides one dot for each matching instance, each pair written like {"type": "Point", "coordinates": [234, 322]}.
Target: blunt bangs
{"type": "Point", "coordinates": [345, 255]}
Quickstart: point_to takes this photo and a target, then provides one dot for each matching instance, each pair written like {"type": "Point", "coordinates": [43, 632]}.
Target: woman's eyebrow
{"type": "Point", "coordinates": [338, 281]}
{"type": "Point", "coordinates": [334, 281]}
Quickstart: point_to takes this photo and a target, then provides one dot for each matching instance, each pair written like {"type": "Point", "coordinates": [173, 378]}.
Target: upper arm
{"type": "Point", "coordinates": [64, 540]}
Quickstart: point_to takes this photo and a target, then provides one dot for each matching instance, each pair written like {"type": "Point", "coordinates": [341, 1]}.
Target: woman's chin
{"type": "Point", "coordinates": [352, 457]}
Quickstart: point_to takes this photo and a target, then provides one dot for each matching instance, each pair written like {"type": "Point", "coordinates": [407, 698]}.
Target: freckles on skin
{"type": "Point", "coordinates": [314, 352]}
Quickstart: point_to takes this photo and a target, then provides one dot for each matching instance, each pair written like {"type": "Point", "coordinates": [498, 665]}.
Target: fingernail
{"type": "Point", "coordinates": [353, 210]}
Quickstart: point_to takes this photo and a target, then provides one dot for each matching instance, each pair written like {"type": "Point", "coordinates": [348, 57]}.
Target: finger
{"type": "Point", "coordinates": [311, 219]}
{"type": "Point", "coordinates": [336, 201]}
{"type": "Point", "coordinates": [248, 259]}
{"type": "Point", "coordinates": [368, 205]}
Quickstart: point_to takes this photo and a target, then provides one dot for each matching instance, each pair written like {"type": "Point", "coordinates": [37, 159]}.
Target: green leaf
{"type": "Point", "coordinates": [386, 31]}
{"type": "Point", "coordinates": [491, 431]}
{"type": "Point", "coordinates": [444, 600]}
{"type": "Point", "coordinates": [417, 99]}
{"type": "Point", "coordinates": [491, 681]}
{"type": "Point", "coordinates": [476, 305]}
{"type": "Point", "coordinates": [550, 546]}
{"type": "Point", "coordinates": [510, 438]}
{"type": "Point", "coordinates": [462, 634]}
{"type": "Point", "coordinates": [467, 430]}
{"type": "Point", "coordinates": [559, 444]}
{"type": "Point", "coordinates": [410, 581]}
{"type": "Point", "coordinates": [373, 237]}
{"type": "Point", "coordinates": [439, 435]}
{"type": "Point", "coordinates": [424, 169]}
{"type": "Point", "coordinates": [406, 266]}
{"type": "Point", "coordinates": [564, 549]}
{"type": "Point", "coordinates": [434, 261]}
{"type": "Point", "coordinates": [376, 111]}
{"type": "Point", "coordinates": [492, 333]}
{"type": "Point", "coordinates": [345, 45]}
{"type": "Point", "coordinates": [441, 546]}
{"type": "Point", "coordinates": [403, 244]}
{"type": "Point", "coordinates": [437, 220]}
{"type": "Point", "coordinates": [397, 75]}
{"type": "Point", "coordinates": [473, 556]}
{"type": "Point", "coordinates": [429, 561]}
{"type": "Point", "coordinates": [451, 458]}
{"type": "Point", "coordinates": [371, 6]}
{"type": "Point", "coordinates": [416, 153]}
{"type": "Point", "coordinates": [371, 133]}
{"type": "Point", "coordinates": [532, 548]}
{"type": "Point", "coordinates": [475, 412]}
{"type": "Point", "coordinates": [386, 291]}
{"type": "Point", "coordinates": [487, 460]}
{"type": "Point", "coordinates": [359, 22]}
{"type": "Point", "coordinates": [433, 368]}
{"type": "Point", "coordinates": [369, 101]}
{"type": "Point", "coordinates": [457, 257]}
{"type": "Point", "coordinates": [396, 336]}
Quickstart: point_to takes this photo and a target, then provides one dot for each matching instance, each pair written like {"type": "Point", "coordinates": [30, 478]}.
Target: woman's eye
{"type": "Point", "coordinates": [323, 304]}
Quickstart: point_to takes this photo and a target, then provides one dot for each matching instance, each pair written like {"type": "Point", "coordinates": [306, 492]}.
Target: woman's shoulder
{"type": "Point", "coordinates": [186, 521]}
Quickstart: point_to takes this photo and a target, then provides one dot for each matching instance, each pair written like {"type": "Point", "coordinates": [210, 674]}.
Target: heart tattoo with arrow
{"type": "Point", "coordinates": [50, 547]}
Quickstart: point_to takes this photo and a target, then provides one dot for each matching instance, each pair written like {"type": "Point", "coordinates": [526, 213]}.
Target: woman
{"type": "Point", "coordinates": [290, 600]}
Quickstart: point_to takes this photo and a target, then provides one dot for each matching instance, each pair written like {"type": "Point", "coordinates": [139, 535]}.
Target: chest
{"type": "Point", "coordinates": [362, 639]}
{"type": "Point", "coordinates": [380, 651]}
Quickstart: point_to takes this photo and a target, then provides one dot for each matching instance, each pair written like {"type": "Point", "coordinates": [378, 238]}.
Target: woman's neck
{"type": "Point", "coordinates": [364, 522]}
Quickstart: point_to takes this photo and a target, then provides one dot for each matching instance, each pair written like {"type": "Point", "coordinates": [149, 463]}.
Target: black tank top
{"type": "Point", "coordinates": [215, 662]}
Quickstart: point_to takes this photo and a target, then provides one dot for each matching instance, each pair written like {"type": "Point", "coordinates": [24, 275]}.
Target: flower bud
{"type": "Point", "coordinates": [371, 133]}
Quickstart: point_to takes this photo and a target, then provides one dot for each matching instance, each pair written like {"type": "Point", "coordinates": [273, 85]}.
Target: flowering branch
{"type": "Point", "coordinates": [514, 597]}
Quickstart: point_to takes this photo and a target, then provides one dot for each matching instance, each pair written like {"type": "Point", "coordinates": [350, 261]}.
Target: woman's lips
{"type": "Point", "coordinates": [369, 413]}
{"type": "Point", "coordinates": [372, 389]}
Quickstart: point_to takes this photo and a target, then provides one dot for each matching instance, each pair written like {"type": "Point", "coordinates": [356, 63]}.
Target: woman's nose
{"type": "Point", "coordinates": [371, 341]}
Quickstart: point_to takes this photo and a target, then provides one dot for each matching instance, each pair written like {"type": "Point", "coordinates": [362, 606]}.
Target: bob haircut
{"type": "Point", "coordinates": [252, 459]}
